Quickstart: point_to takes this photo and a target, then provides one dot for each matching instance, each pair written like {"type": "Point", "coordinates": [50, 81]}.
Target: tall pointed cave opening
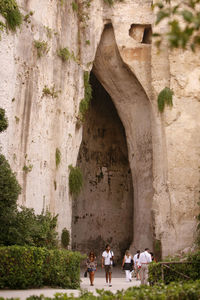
{"type": "Point", "coordinates": [116, 157]}
{"type": "Point", "coordinates": [107, 195]}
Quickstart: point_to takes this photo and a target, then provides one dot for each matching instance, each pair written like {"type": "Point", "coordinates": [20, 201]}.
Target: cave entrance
{"type": "Point", "coordinates": [103, 212]}
{"type": "Point", "coordinates": [106, 211]}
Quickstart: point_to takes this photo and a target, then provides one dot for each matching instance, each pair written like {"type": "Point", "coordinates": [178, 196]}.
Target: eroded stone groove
{"type": "Point", "coordinates": [134, 110]}
{"type": "Point", "coordinates": [103, 212]}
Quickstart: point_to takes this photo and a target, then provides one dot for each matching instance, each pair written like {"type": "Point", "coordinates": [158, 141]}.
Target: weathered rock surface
{"type": "Point", "coordinates": [163, 150]}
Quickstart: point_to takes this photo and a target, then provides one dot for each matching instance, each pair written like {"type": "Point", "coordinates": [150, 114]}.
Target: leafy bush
{"type": "Point", "coordinates": [198, 228]}
{"type": "Point", "coordinates": [74, 6]}
{"type": "Point", "coordinates": [174, 291]}
{"type": "Point", "coordinates": [25, 267]}
{"type": "Point", "coordinates": [112, 2]}
{"type": "Point", "coordinates": [65, 237]}
{"type": "Point", "coordinates": [10, 11]}
{"type": "Point", "coordinates": [176, 271]}
{"type": "Point", "coordinates": [58, 157]}
{"type": "Point", "coordinates": [9, 192]}
{"type": "Point", "coordinates": [42, 48]}
{"type": "Point", "coordinates": [3, 120]}
{"type": "Point", "coordinates": [84, 104]}
{"type": "Point", "coordinates": [9, 187]}
{"type": "Point", "coordinates": [22, 227]}
{"type": "Point", "coordinates": [50, 91]}
{"type": "Point", "coordinates": [165, 98]}
{"type": "Point", "coordinates": [27, 228]}
{"type": "Point", "coordinates": [75, 180]}
{"type": "Point", "coordinates": [64, 54]}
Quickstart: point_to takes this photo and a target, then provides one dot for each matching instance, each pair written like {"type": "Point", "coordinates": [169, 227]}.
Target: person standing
{"type": "Point", "coordinates": [144, 260]}
{"type": "Point", "coordinates": [127, 265]}
{"type": "Point", "coordinates": [91, 265]}
{"type": "Point", "coordinates": [136, 266]}
{"type": "Point", "coordinates": [107, 261]}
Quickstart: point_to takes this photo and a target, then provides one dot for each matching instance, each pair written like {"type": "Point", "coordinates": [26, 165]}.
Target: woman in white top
{"type": "Point", "coordinates": [127, 265]}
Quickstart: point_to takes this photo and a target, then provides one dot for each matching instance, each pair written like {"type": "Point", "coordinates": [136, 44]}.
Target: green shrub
{"type": "Point", "coordinates": [75, 180]}
{"type": "Point", "coordinates": [198, 228]}
{"type": "Point", "coordinates": [58, 157]}
{"type": "Point", "coordinates": [9, 186]}
{"type": "Point", "coordinates": [27, 267]}
{"type": "Point", "coordinates": [3, 120]}
{"type": "Point", "coordinates": [112, 2]}
{"type": "Point", "coordinates": [10, 11]}
{"type": "Point", "coordinates": [74, 6]}
{"type": "Point", "coordinates": [174, 291]}
{"type": "Point", "coordinates": [165, 98]}
{"type": "Point", "coordinates": [28, 168]}
{"type": "Point", "coordinates": [176, 272]}
{"type": "Point", "coordinates": [64, 54]}
{"type": "Point", "coordinates": [50, 91]}
{"type": "Point", "coordinates": [42, 48]}
{"type": "Point", "coordinates": [84, 104]}
{"type": "Point", "coordinates": [29, 229]}
{"type": "Point", "coordinates": [65, 238]}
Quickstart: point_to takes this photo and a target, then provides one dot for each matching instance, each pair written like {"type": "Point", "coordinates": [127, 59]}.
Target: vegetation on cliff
{"type": "Point", "coordinates": [10, 11]}
{"type": "Point", "coordinates": [75, 180]}
{"type": "Point", "coordinates": [183, 21]}
{"type": "Point", "coordinates": [85, 102]}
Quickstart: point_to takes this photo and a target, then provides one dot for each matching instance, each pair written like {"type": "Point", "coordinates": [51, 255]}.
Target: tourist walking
{"type": "Point", "coordinates": [136, 266]}
{"type": "Point", "coordinates": [144, 260]}
{"type": "Point", "coordinates": [107, 262]}
{"type": "Point", "coordinates": [91, 265]}
{"type": "Point", "coordinates": [127, 265]}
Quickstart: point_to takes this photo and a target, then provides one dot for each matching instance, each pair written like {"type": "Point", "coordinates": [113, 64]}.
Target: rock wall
{"type": "Point", "coordinates": [163, 149]}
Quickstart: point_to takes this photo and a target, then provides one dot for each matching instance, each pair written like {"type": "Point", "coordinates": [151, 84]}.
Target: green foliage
{"type": "Point", "coordinates": [10, 11]}
{"type": "Point", "coordinates": [65, 238]}
{"type": "Point", "coordinates": [64, 54]}
{"type": "Point", "coordinates": [62, 2]}
{"type": "Point", "coordinates": [165, 98]}
{"type": "Point", "coordinates": [75, 6]}
{"type": "Point", "coordinates": [27, 17]}
{"type": "Point", "coordinates": [28, 267]}
{"type": "Point", "coordinates": [112, 2]}
{"type": "Point", "coordinates": [183, 20]}
{"type": "Point", "coordinates": [16, 119]}
{"type": "Point", "coordinates": [27, 228]}
{"type": "Point", "coordinates": [75, 180]}
{"type": "Point", "coordinates": [9, 187]}
{"type": "Point", "coordinates": [3, 120]}
{"type": "Point", "coordinates": [174, 291]}
{"type": "Point", "coordinates": [42, 48]}
{"type": "Point", "coordinates": [58, 157]}
{"type": "Point", "coordinates": [50, 91]}
{"type": "Point", "coordinates": [28, 168]}
{"type": "Point", "coordinates": [198, 228]}
{"type": "Point", "coordinates": [84, 104]}
{"type": "Point", "coordinates": [49, 32]}
{"type": "Point", "coordinates": [157, 249]}
{"type": "Point", "coordinates": [176, 272]}
{"type": "Point", "coordinates": [9, 192]}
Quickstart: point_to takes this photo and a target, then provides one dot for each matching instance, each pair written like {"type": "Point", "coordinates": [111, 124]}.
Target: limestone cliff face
{"type": "Point", "coordinates": [162, 150]}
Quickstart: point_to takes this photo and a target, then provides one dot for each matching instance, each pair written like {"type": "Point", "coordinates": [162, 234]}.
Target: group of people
{"type": "Point", "coordinates": [137, 265]}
